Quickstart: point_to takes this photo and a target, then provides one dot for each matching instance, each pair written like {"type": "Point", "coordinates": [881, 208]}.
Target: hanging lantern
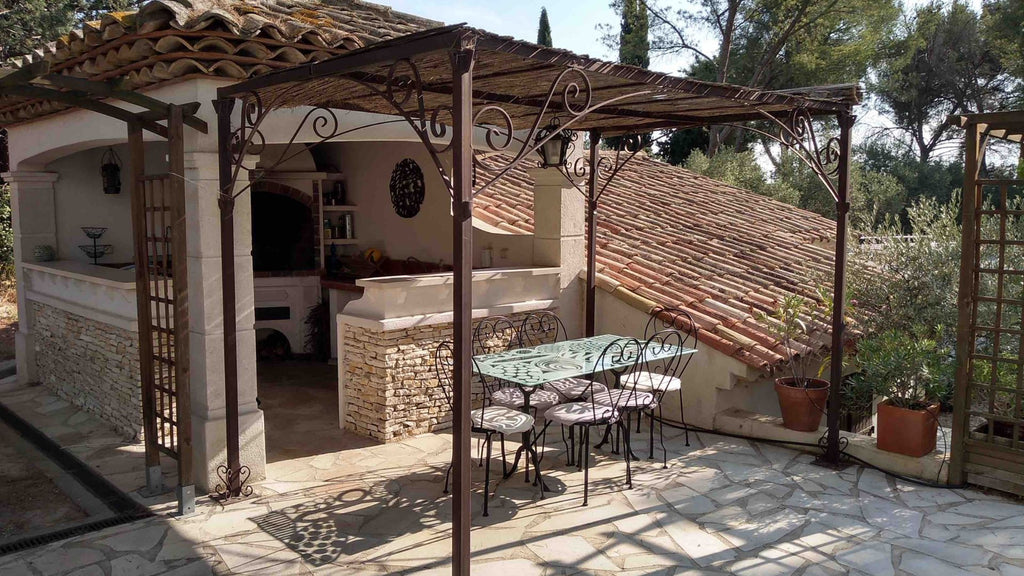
{"type": "Point", "coordinates": [553, 152]}
{"type": "Point", "coordinates": [111, 172]}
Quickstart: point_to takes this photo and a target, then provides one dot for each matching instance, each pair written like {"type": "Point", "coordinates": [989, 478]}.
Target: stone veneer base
{"type": "Point", "coordinates": [390, 389]}
{"type": "Point", "coordinates": [91, 364]}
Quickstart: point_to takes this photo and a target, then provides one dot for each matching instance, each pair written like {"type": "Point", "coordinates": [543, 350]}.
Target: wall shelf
{"type": "Point", "coordinates": [341, 241]}
{"type": "Point", "coordinates": [340, 208]}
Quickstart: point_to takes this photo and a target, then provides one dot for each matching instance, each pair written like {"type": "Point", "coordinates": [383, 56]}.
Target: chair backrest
{"type": "Point", "coordinates": [542, 327]}
{"type": "Point", "coordinates": [668, 318]}
{"type": "Point", "coordinates": [444, 367]}
{"type": "Point", "coordinates": [495, 334]}
{"type": "Point", "coordinates": [618, 360]}
{"type": "Point", "coordinates": [663, 370]}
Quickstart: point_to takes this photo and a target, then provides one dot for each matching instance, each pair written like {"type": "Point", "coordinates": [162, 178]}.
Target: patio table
{"type": "Point", "coordinates": [531, 367]}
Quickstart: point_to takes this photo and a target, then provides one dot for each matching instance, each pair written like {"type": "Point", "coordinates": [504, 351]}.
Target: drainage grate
{"type": "Point", "coordinates": [125, 509]}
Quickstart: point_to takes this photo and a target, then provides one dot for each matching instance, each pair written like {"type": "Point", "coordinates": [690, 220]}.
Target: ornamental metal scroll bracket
{"type": "Point", "coordinates": [401, 89]}
{"type": "Point", "coordinates": [796, 133]}
{"type": "Point", "coordinates": [608, 166]}
{"type": "Point", "coordinates": [233, 483]}
{"type": "Point", "coordinates": [570, 98]}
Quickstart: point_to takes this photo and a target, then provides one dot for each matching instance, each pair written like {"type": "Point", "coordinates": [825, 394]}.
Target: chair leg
{"type": "Point", "coordinates": [447, 475]}
{"type": "Point", "coordinates": [585, 456]}
{"type": "Point", "coordinates": [504, 462]}
{"type": "Point", "coordinates": [661, 435]}
{"type": "Point", "coordinates": [567, 442]}
{"type": "Point", "coordinates": [639, 421]}
{"type": "Point", "coordinates": [686, 429]}
{"type": "Point", "coordinates": [628, 452]}
{"type": "Point", "coordinates": [650, 455]}
{"type": "Point", "coordinates": [583, 446]}
{"type": "Point", "coordinates": [487, 473]}
{"type": "Point", "coordinates": [543, 441]}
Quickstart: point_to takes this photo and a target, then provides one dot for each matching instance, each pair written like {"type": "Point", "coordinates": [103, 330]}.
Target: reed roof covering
{"type": "Point", "coordinates": [518, 76]}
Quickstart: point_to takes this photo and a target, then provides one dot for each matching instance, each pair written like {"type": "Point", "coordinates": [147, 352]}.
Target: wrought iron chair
{"type": "Point", "coordinates": [621, 356]}
{"type": "Point", "coordinates": [498, 334]}
{"type": "Point", "coordinates": [659, 376]}
{"type": "Point", "coordinates": [668, 377]}
{"type": "Point", "coordinates": [544, 327]}
{"type": "Point", "coordinates": [487, 420]}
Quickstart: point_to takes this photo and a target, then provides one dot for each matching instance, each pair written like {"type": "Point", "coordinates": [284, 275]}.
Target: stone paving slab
{"type": "Point", "coordinates": [723, 506]}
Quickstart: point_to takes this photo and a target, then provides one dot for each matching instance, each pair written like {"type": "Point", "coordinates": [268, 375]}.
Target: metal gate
{"type": "Point", "coordinates": [158, 214]}
{"type": "Point", "coordinates": [989, 397]}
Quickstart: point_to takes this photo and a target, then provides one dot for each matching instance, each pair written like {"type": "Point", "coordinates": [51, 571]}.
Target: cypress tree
{"type": "Point", "coordinates": [544, 29]}
{"type": "Point", "coordinates": [634, 46]}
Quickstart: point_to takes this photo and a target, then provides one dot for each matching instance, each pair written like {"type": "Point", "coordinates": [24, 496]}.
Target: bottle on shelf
{"type": "Point", "coordinates": [349, 226]}
{"type": "Point", "coordinates": [340, 196]}
{"type": "Point", "coordinates": [328, 229]}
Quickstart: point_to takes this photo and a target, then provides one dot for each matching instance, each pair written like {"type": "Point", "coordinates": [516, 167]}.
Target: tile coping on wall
{"type": "Point", "coordinates": [388, 324]}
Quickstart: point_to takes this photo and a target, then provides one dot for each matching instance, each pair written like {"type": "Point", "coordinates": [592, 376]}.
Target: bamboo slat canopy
{"type": "Point", "coordinates": [517, 76]}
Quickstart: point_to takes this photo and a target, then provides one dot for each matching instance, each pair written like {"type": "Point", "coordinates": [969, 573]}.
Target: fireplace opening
{"type": "Point", "coordinates": [283, 238]}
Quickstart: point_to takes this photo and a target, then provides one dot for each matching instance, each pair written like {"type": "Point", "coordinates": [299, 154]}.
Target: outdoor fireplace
{"type": "Point", "coordinates": [283, 230]}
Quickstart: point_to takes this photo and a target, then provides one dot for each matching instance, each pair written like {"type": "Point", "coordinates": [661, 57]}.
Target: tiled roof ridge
{"type": "Point", "coordinates": [168, 40]}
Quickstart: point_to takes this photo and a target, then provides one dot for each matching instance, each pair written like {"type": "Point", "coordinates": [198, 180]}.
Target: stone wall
{"type": "Point", "coordinates": [90, 364]}
{"type": "Point", "coordinates": [390, 384]}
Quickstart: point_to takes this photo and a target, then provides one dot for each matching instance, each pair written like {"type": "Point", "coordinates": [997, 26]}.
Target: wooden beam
{"type": "Point", "coordinates": [115, 91]}
{"type": "Point", "coordinates": [80, 100]}
{"type": "Point", "coordinates": [20, 76]}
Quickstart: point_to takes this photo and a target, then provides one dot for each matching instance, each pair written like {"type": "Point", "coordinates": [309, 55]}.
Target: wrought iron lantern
{"type": "Point", "coordinates": [554, 152]}
{"type": "Point", "coordinates": [111, 172]}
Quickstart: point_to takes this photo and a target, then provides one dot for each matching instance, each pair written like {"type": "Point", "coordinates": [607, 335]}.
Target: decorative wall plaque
{"type": "Point", "coordinates": [407, 188]}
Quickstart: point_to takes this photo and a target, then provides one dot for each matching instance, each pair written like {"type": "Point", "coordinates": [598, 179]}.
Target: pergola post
{"type": "Point", "coordinates": [462, 305]}
{"type": "Point", "coordinates": [226, 200]}
{"type": "Point", "coordinates": [833, 450]}
{"type": "Point", "coordinates": [595, 157]}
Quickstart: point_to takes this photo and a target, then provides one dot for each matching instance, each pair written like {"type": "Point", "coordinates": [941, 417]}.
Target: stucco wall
{"type": "Point", "coordinates": [713, 381]}
{"type": "Point", "coordinates": [80, 201]}
{"type": "Point", "coordinates": [428, 235]}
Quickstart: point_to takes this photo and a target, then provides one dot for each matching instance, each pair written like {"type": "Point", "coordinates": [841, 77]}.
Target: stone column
{"type": "Point", "coordinates": [206, 327]}
{"type": "Point", "coordinates": [559, 216]}
{"type": "Point", "coordinates": [35, 224]}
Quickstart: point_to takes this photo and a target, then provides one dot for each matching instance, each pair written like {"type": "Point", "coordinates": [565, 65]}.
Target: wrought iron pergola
{"type": "Point", "coordinates": [475, 99]}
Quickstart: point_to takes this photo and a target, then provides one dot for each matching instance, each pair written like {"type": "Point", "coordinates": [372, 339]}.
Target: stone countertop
{"type": "Point", "coordinates": [88, 272]}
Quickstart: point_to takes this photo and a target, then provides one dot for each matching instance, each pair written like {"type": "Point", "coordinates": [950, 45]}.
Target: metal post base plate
{"type": "Point", "coordinates": [154, 483]}
{"type": "Point", "coordinates": [186, 500]}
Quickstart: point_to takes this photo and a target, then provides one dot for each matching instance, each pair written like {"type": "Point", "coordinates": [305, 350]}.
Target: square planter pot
{"type": "Point", "coordinates": [907, 432]}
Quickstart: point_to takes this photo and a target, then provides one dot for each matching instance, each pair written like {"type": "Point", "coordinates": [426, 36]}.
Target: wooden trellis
{"type": "Point", "coordinates": [988, 434]}
{"type": "Point", "coordinates": [161, 282]}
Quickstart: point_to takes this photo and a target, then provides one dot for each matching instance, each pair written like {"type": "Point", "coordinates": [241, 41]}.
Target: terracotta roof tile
{"type": "Point", "coordinates": [724, 254]}
{"type": "Point", "coordinates": [170, 39]}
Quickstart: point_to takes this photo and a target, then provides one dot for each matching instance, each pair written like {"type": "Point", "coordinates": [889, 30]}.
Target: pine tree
{"type": "Point", "coordinates": [544, 29]}
{"type": "Point", "coordinates": [634, 46]}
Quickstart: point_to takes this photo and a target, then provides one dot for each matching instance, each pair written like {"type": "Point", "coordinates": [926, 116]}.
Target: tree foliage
{"type": "Point", "coordinates": [544, 29]}
{"type": "Point", "coordinates": [28, 24]}
{"type": "Point", "coordinates": [940, 63]}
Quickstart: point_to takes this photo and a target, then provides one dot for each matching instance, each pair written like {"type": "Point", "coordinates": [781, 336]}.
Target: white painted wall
{"type": "Point", "coordinates": [80, 201]}
{"type": "Point", "coordinates": [428, 235]}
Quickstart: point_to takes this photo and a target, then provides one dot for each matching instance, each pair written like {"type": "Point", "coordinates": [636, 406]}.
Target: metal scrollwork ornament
{"type": "Point", "coordinates": [408, 188]}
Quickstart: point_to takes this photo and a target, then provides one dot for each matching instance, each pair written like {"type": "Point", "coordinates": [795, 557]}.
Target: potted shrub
{"type": "Point", "coordinates": [911, 373]}
{"type": "Point", "coordinates": [802, 398]}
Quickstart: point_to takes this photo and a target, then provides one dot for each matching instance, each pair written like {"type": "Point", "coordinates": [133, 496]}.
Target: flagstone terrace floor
{"type": "Point", "coordinates": [723, 506]}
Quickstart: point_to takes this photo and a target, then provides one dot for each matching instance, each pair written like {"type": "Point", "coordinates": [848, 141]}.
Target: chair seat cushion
{"type": "Point", "coordinates": [652, 381]}
{"type": "Point", "coordinates": [573, 413]}
{"type": "Point", "coordinates": [626, 399]}
{"type": "Point", "coordinates": [574, 389]}
{"type": "Point", "coordinates": [513, 398]}
{"type": "Point", "coordinates": [501, 419]}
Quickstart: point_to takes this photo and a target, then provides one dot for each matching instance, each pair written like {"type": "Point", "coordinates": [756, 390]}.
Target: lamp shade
{"type": "Point", "coordinates": [111, 172]}
{"type": "Point", "coordinates": [554, 151]}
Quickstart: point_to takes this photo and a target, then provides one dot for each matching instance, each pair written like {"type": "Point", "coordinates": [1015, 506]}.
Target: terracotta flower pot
{"type": "Point", "coordinates": [908, 432]}
{"type": "Point", "coordinates": [802, 407]}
